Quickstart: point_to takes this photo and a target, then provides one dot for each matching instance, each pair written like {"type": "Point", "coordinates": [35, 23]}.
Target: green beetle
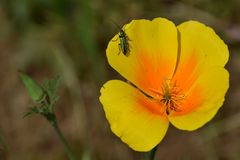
{"type": "Point", "coordinates": [124, 46]}
{"type": "Point", "coordinates": [124, 43]}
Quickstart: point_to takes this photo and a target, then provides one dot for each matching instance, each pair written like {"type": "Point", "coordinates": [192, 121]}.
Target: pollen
{"type": "Point", "coordinates": [170, 96]}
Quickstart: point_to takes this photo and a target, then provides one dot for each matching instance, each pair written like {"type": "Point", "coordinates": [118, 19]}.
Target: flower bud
{"type": "Point", "coordinates": [34, 89]}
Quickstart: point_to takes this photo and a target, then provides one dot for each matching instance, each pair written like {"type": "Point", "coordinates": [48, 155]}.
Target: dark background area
{"type": "Point", "coordinates": [69, 37]}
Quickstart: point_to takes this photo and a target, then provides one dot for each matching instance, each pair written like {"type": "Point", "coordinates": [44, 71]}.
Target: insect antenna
{"type": "Point", "coordinates": [114, 22]}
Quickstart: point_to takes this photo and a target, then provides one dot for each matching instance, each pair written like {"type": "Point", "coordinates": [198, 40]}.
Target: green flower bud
{"type": "Point", "coordinates": [34, 89]}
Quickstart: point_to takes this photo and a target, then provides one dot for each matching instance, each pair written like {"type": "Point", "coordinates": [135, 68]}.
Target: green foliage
{"type": "Point", "coordinates": [43, 106]}
{"type": "Point", "coordinates": [34, 89]}
{"type": "Point", "coordinates": [50, 87]}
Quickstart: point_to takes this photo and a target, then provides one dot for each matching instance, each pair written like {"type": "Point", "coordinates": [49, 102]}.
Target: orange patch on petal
{"type": "Point", "coordinates": [149, 105]}
{"type": "Point", "coordinates": [152, 72]}
{"type": "Point", "coordinates": [187, 72]}
{"type": "Point", "coordinates": [185, 77]}
{"type": "Point", "coordinates": [190, 102]}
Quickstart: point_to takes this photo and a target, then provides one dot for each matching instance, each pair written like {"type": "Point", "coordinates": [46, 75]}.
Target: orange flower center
{"type": "Point", "coordinates": [170, 96]}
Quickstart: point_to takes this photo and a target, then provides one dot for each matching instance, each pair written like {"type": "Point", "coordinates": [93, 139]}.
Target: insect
{"type": "Point", "coordinates": [124, 46]}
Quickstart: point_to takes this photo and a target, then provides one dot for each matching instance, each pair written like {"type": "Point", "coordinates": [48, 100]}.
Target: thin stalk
{"type": "Point", "coordinates": [63, 140]}
{"type": "Point", "coordinates": [151, 154]}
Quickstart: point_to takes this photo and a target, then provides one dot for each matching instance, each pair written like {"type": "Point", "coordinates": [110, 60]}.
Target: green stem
{"type": "Point", "coordinates": [63, 140]}
{"type": "Point", "coordinates": [151, 154]}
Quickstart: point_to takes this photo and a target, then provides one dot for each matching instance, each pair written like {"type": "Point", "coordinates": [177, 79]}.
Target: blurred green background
{"type": "Point", "coordinates": [69, 37]}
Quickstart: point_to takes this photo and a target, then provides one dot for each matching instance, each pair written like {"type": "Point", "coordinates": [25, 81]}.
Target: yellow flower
{"type": "Point", "coordinates": [177, 75]}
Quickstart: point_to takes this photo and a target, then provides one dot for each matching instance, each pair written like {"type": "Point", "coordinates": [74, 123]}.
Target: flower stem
{"type": "Point", "coordinates": [63, 140]}
{"type": "Point", "coordinates": [151, 154]}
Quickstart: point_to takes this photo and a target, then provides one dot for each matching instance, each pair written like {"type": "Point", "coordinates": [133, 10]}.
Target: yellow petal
{"type": "Point", "coordinates": [153, 53]}
{"type": "Point", "coordinates": [200, 74]}
{"type": "Point", "coordinates": [203, 100]}
{"type": "Point", "coordinates": [132, 116]}
{"type": "Point", "coordinates": [201, 49]}
{"type": "Point", "coordinates": [202, 44]}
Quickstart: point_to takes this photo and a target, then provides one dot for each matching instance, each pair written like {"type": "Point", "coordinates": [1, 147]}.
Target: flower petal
{"type": "Point", "coordinates": [201, 44]}
{"type": "Point", "coordinates": [126, 110]}
{"type": "Point", "coordinates": [203, 100]}
{"type": "Point", "coordinates": [153, 53]}
{"type": "Point", "coordinates": [202, 40]}
{"type": "Point", "coordinates": [201, 49]}
{"type": "Point", "coordinates": [200, 74]}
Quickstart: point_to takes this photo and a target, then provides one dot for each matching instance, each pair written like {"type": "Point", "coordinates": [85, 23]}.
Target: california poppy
{"type": "Point", "coordinates": [176, 75]}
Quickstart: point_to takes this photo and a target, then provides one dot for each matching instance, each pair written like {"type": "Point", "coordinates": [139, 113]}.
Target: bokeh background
{"type": "Point", "coordinates": [69, 37]}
